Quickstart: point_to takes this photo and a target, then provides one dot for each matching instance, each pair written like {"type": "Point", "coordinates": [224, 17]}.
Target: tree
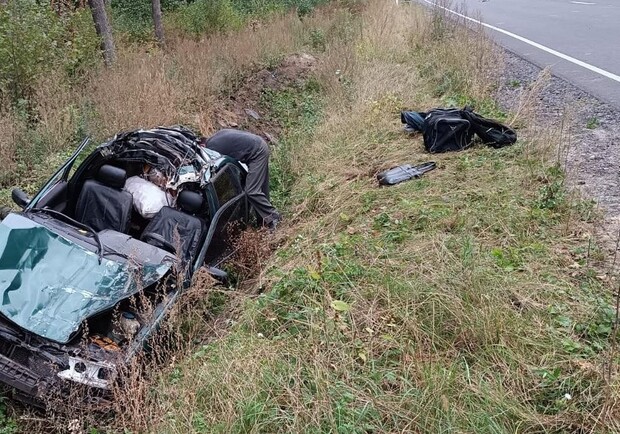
{"type": "Point", "coordinates": [104, 31]}
{"type": "Point", "coordinates": [159, 28]}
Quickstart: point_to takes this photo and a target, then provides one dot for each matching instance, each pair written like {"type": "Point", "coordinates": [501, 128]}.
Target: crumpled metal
{"type": "Point", "coordinates": [50, 285]}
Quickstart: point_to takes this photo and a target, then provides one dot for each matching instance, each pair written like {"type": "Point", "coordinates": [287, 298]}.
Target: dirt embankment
{"type": "Point", "coordinates": [243, 108]}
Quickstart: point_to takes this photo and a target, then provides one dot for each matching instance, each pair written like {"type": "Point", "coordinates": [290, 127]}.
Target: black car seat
{"type": "Point", "coordinates": [102, 203]}
{"type": "Point", "coordinates": [178, 230]}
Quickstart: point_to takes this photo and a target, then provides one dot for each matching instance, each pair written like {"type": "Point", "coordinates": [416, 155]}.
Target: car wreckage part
{"type": "Point", "coordinates": [404, 173]}
{"type": "Point", "coordinates": [16, 375]}
{"type": "Point", "coordinates": [94, 374]}
{"type": "Point", "coordinates": [50, 285]}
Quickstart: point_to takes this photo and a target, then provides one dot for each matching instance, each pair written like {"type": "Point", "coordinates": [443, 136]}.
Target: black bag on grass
{"type": "Point", "coordinates": [445, 130]}
{"type": "Point", "coordinates": [491, 132]}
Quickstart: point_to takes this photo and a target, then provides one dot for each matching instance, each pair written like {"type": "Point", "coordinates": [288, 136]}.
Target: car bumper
{"type": "Point", "coordinates": [19, 377]}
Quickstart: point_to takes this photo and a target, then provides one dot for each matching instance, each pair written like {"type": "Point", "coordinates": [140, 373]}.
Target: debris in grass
{"type": "Point", "coordinates": [405, 172]}
{"type": "Point", "coordinates": [252, 113]}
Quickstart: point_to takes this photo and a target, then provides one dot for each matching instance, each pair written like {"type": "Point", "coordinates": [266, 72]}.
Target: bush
{"type": "Point", "coordinates": [212, 16]}
{"type": "Point", "coordinates": [34, 41]}
{"type": "Point", "coordinates": [30, 37]}
{"type": "Point", "coordinates": [133, 18]}
{"type": "Point", "coordinates": [208, 16]}
{"type": "Point", "coordinates": [80, 48]}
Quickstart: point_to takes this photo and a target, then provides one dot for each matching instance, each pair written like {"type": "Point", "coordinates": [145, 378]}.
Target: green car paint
{"type": "Point", "coordinates": [50, 285]}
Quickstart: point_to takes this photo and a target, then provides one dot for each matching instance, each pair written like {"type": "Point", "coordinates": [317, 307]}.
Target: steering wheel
{"type": "Point", "coordinates": [167, 246]}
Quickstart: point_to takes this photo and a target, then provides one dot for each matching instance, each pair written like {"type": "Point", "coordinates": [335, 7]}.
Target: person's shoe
{"type": "Point", "coordinates": [274, 222]}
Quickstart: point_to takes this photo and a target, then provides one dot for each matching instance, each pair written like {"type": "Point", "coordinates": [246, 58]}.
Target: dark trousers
{"type": "Point", "coordinates": [257, 184]}
{"type": "Point", "coordinates": [253, 151]}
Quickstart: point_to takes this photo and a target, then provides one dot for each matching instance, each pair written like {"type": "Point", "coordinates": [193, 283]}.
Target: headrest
{"type": "Point", "coordinates": [112, 176]}
{"type": "Point", "coordinates": [190, 201]}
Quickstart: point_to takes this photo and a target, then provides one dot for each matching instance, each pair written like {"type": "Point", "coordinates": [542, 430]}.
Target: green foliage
{"type": "Point", "coordinates": [208, 16]}
{"type": "Point", "coordinates": [80, 52]}
{"type": "Point", "coordinates": [551, 195]}
{"type": "Point", "coordinates": [35, 41]}
{"type": "Point", "coordinates": [299, 110]}
{"type": "Point", "coordinates": [7, 425]}
{"type": "Point", "coordinates": [317, 40]}
{"type": "Point", "coordinates": [592, 123]}
{"type": "Point", "coordinates": [134, 20]}
{"type": "Point", "coordinates": [259, 7]}
{"type": "Point", "coordinates": [266, 7]}
{"type": "Point", "coordinates": [30, 37]}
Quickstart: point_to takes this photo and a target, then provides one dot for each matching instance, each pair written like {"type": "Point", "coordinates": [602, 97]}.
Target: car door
{"type": "Point", "coordinates": [231, 202]}
{"type": "Point", "coordinates": [53, 194]}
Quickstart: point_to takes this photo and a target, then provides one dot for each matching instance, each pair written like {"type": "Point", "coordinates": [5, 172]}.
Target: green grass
{"type": "Point", "coordinates": [472, 300]}
{"type": "Point", "coordinates": [592, 123]}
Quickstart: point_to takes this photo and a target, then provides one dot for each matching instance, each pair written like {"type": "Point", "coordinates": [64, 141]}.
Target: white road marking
{"type": "Point", "coordinates": [566, 57]}
{"type": "Point", "coordinates": [582, 3]}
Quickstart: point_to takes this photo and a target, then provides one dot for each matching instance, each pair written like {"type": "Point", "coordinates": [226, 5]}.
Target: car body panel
{"type": "Point", "coordinates": [65, 286]}
{"type": "Point", "coordinates": [50, 285]}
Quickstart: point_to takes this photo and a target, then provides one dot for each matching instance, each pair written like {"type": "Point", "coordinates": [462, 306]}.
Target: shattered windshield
{"type": "Point", "coordinates": [50, 285]}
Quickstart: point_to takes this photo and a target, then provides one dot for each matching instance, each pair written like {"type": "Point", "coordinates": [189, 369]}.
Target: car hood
{"type": "Point", "coordinates": [50, 285]}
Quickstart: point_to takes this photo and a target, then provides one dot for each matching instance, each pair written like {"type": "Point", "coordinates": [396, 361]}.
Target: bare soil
{"type": "Point", "coordinates": [243, 109]}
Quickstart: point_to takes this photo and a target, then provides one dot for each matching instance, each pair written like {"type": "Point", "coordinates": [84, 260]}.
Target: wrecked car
{"type": "Point", "coordinates": [135, 221]}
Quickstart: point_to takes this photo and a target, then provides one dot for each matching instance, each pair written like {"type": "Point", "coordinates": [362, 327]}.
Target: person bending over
{"type": "Point", "coordinates": [253, 151]}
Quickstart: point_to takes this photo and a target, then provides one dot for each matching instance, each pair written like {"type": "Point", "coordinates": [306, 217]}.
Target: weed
{"type": "Point", "coordinates": [317, 40]}
{"type": "Point", "coordinates": [592, 123]}
{"type": "Point", "coordinates": [447, 304]}
{"type": "Point", "coordinates": [7, 425]}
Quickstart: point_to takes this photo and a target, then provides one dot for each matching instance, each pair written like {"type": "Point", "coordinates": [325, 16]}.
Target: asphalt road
{"type": "Point", "coordinates": [579, 40]}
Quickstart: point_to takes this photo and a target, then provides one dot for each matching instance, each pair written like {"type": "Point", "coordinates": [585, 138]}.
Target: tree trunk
{"type": "Point", "coordinates": [104, 31]}
{"type": "Point", "coordinates": [159, 28]}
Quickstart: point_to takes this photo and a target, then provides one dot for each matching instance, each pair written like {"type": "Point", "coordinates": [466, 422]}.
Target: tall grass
{"type": "Point", "coordinates": [53, 90]}
{"type": "Point", "coordinates": [470, 300]}
{"type": "Point", "coordinates": [145, 88]}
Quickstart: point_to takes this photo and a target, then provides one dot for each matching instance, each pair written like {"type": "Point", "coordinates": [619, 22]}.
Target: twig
{"type": "Point", "coordinates": [614, 336]}
{"type": "Point", "coordinates": [613, 264]}
{"type": "Point", "coordinates": [589, 249]}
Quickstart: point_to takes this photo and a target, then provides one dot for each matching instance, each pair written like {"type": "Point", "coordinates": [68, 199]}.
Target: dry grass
{"type": "Point", "coordinates": [446, 304]}
{"type": "Point", "coordinates": [182, 84]}
{"type": "Point", "coordinates": [459, 314]}
{"type": "Point", "coordinates": [525, 113]}
{"type": "Point", "coordinates": [8, 133]}
{"type": "Point", "coordinates": [252, 250]}
{"type": "Point", "coordinates": [146, 88]}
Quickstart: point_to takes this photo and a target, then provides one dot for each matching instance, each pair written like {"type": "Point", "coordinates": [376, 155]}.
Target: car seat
{"type": "Point", "coordinates": [178, 231]}
{"type": "Point", "coordinates": [102, 203]}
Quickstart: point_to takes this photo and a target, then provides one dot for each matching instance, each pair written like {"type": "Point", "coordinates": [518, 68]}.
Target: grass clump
{"type": "Point", "coordinates": [471, 300]}
{"type": "Point", "coordinates": [474, 299]}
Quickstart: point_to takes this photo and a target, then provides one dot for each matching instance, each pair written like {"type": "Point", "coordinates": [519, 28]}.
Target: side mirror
{"type": "Point", "coordinates": [20, 198]}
